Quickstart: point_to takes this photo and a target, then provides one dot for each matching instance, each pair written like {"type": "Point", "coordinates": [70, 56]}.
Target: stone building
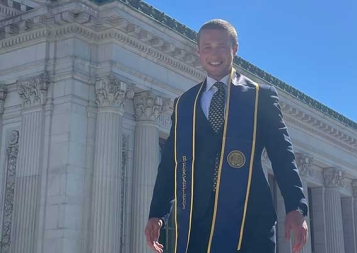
{"type": "Point", "coordinates": [86, 91]}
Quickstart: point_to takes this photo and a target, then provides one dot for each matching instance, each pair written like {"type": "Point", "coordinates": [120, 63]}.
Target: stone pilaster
{"type": "Point", "coordinates": [111, 97]}
{"type": "Point", "coordinates": [333, 178]}
{"type": "Point", "coordinates": [10, 176]}
{"type": "Point", "coordinates": [348, 218]}
{"type": "Point", "coordinates": [33, 93]}
{"type": "Point", "coordinates": [146, 159]}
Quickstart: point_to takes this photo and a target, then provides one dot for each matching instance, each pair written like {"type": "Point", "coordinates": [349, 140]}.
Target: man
{"type": "Point", "coordinates": [211, 164]}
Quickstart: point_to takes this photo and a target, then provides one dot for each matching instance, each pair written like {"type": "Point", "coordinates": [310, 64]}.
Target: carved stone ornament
{"type": "Point", "coordinates": [11, 153]}
{"type": "Point", "coordinates": [112, 92]}
{"type": "Point", "coordinates": [124, 165]}
{"type": "Point", "coordinates": [148, 106]}
{"type": "Point", "coordinates": [333, 177]}
{"type": "Point", "coordinates": [304, 163]}
{"type": "Point", "coordinates": [354, 188]}
{"type": "Point", "coordinates": [3, 93]}
{"type": "Point", "coordinates": [33, 91]}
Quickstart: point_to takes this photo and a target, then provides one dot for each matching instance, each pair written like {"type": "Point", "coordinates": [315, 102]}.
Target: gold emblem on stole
{"type": "Point", "coordinates": [236, 159]}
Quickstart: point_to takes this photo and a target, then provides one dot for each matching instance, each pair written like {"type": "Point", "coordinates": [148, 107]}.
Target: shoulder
{"type": "Point", "coordinates": [190, 93]}
{"type": "Point", "coordinates": [264, 89]}
{"type": "Point", "coordinates": [193, 91]}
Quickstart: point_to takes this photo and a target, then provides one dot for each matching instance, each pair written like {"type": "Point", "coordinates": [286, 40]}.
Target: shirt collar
{"type": "Point", "coordinates": [210, 81]}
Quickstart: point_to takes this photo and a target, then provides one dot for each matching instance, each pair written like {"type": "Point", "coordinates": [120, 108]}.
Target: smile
{"type": "Point", "coordinates": [215, 63]}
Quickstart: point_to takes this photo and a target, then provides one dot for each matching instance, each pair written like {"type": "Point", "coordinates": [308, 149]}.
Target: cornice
{"type": "Point", "coordinates": [8, 11]}
{"type": "Point", "coordinates": [318, 127]}
{"type": "Point", "coordinates": [21, 39]}
{"type": "Point", "coordinates": [142, 43]}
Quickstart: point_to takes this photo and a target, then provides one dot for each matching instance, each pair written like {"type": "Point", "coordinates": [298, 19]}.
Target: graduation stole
{"type": "Point", "coordinates": [234, 172]}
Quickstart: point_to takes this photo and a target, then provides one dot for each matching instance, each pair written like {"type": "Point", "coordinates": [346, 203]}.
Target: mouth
{"type": "Point", "coordinates": [215, 63]}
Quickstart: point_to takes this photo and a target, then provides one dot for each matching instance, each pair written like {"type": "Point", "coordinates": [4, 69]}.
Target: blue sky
{"type": "Point", "coordinates": [309, 44]}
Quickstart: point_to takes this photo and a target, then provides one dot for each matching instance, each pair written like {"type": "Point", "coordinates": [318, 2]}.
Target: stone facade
{"type": "Point", "coordinates": [86, 94]}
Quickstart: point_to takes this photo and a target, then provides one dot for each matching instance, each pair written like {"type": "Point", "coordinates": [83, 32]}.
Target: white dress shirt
{"type": "Point", "coordinates": [211, 90]}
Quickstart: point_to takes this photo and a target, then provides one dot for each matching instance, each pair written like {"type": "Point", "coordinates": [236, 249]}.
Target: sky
{"type": "Point", "coordinates": [309, 44]}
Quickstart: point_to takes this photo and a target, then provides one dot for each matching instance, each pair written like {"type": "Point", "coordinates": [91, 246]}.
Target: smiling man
{"type": "Point", "coordinates": [211, 165]}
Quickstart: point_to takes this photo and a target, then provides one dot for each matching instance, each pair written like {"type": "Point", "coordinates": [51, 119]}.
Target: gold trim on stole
{"type": "Point", "coordinates": [192, 170]}
{"type": "Point", "coordinates": [175, 153]}
{"type": "Point", "coordinates": [221, 162]}
{"type": "Point", "coordinates": [251, 165]}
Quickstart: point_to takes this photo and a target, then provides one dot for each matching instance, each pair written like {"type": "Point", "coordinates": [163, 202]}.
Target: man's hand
{"type": "Point", "coordinates": [295, 221]}
{"type": "Point", "coordinates": [152, 233]}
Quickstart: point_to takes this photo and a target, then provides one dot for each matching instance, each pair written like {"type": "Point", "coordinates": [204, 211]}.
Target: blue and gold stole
{"type": "Point", "coordinates": [235, 169]}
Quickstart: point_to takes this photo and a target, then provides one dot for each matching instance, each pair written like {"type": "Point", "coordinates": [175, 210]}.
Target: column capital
{"type": "Point", "coordinates": [304, 163]}
{"type": "Point", "coordinates": [3, 93]}
{"type": "Point", "coordinates": [33, 91]}
{"type": "Point", "coordinates": [149, 106]}
{"type": "Point", "coordinates": [333, 178]}
{"type": "Point", "coordinates": [112, 92]}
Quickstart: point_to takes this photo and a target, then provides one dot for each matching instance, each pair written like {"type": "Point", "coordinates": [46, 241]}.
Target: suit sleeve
{"type": "Point", "coordinates": [163, 193]}
{"type": "Point", "coordinates": [280, 151]}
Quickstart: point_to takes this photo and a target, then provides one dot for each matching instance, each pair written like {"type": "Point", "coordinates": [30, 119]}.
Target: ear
{"type": "Point", "coordinates": [235, 48]}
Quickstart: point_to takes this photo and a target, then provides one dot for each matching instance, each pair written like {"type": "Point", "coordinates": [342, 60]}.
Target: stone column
{"type": "Point", "coordinates": [106, 197]}
{"type": "Point", "coordinates": [146, 159]}
{"type": "Point", "coordinates": [318, 213]}
{"type": "Point", "coordinates": [348, 218]}
{"type": "Point", "coordinates": [282, 244]}
{"type": "Point", "coordinates": [304, 163]}
{"type": "Point", "coordinates": [33, 93]}
{"type": "Point", "coordinates": [333, 215]}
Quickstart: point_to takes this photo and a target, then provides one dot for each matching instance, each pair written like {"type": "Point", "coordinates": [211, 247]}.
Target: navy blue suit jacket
{"type": "Point", "coordinates": [273, 135]}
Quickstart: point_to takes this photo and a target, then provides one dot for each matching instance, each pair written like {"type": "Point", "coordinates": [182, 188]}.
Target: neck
{"type": "Point", "coordinates": [219, 77]}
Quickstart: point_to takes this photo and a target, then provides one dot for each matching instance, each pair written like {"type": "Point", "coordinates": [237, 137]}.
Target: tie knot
{"type": "Point", "coordinates": [219, 85]}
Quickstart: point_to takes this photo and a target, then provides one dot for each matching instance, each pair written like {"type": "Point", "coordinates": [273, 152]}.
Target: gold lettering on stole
{"type": "Point", "coordinates": [184, 160]}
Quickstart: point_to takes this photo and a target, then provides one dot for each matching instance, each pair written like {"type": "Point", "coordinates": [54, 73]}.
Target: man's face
{"type": "Point", "coordinates": [216, 52]}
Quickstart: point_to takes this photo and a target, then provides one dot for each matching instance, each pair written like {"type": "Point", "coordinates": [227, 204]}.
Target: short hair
{"type": "Point", "coordinates": [219, 24]}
